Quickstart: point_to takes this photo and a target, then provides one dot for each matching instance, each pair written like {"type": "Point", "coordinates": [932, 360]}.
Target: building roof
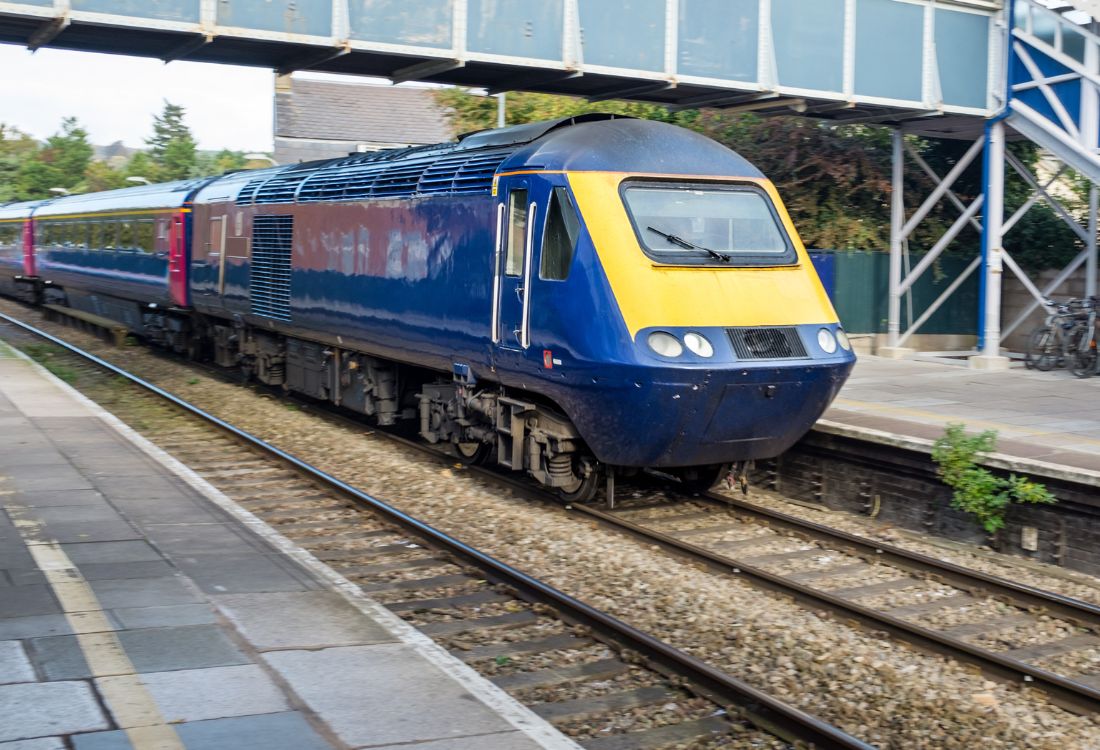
{"type": "Point", "coordinates": [358, 112]}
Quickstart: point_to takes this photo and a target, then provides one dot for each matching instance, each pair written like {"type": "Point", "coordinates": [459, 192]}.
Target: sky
{"type": "Point", "coordinates": [115, 97]}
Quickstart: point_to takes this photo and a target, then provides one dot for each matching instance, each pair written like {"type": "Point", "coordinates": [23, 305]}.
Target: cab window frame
{"type": "Point", "coordinates": [561, 201]}
{"type": "Point", "coordinates": [788, 258]}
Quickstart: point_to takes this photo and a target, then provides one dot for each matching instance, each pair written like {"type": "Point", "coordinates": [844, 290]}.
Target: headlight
{"type": "Point", "coordinates": [665, 344]}
{"type": "Point", "coordinates": [826, 340]}
{"type": "Point", "coordinates": [697, 344]}
{"type": "Point", "coordinates": [842, 337]}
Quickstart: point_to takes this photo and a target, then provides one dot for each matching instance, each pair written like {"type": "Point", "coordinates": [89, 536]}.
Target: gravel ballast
{"type": "Point", "coordinates": [878, 690]}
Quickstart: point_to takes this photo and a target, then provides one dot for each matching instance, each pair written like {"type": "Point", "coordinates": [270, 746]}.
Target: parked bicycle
{"type": "Point", "coordinates": [1068, 337]}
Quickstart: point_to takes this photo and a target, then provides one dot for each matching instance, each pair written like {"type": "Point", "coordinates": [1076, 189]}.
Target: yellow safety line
{"type": "Point", "coordinates": [118, 680]}
{"type": "Point", "coordinates": [1029, 431]}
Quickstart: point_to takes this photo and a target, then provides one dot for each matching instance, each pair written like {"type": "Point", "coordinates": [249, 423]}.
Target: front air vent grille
{"type": "Point", "coordinates": [767, 343]}
{"type": "Point", "coordinates": [269, 272]}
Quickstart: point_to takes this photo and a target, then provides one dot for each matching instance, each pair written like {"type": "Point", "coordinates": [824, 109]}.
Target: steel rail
{"type": "Point", "coordinates": [1085, 614]}
{"type": "Point", "coordinates": [1066, 692]}
{"type": "Point", "coordinates": [765, 710]}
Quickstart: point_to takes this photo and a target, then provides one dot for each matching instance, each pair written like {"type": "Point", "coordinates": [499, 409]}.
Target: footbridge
{"type": "Point", "coordinates": [983, 70]}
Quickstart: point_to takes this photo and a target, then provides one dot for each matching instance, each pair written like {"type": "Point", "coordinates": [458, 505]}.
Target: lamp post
{"type": "Point", "coordinates": [59, 191]}
{"type": "Point", "coordinates": [139, 180]}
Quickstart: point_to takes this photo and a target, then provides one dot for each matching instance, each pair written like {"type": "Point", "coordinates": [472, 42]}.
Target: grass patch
{"type": "Point", "coordinates": [48, 356]}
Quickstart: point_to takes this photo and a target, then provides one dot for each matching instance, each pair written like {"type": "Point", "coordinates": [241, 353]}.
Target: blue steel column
{"type": "Point", "coordinates": [897, 221]}
{"type": "Point", "coordinates": [992, 221]}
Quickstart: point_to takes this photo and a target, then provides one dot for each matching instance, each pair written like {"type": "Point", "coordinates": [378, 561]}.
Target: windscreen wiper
{"type": "Point", "coordinates": [675, 240]}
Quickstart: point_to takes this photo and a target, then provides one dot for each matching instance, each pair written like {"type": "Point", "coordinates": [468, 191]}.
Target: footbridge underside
{"type": "Point", "coordinates": [837, 58]}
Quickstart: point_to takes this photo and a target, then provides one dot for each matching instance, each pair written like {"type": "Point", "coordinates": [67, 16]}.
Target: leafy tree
{"type": "Point", "coordinates": [209, 164]}
{"type": "Point", "coordinates": [61, 164]}
{"type": "Point", "coordinates": [141, 164]}
{"type": "Point", "coordinates": [100, 176]}
{"type": "Point", "coordinates": [172, 146]}
{"type": "Point", "coordinates": [16, 148]}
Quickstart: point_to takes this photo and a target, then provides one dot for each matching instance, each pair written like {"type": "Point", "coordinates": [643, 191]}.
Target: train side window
{"type": "Point", "coordinates": [145, 230]}
{"type": "Point", "coordinates": [560, 238]}
{"type": "Point", "coordinates": [517, 232]}
{"type": "Point", "coordinates": [110, 234]}
{"type": "Point", "coordinates": [126, 235]}
{"type": "Point", "coordinates": [95, 236]}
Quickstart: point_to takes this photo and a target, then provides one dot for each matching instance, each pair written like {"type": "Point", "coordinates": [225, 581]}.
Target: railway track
{"type": "Point", "coordinates": [932, 604]}
{"type": "Point", "coordinates": [607, 684]}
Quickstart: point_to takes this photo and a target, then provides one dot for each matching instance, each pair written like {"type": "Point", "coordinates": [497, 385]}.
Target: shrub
{"type": "Point", "coordinates": [978, 491]}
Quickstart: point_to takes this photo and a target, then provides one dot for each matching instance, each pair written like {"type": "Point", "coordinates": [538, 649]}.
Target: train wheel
{"type": "Point", "coordinates": [701, 478]}
{"type": "Point", "coordinates": [587, 476]}
{"type": "Point", "coordinates": [475, 453]}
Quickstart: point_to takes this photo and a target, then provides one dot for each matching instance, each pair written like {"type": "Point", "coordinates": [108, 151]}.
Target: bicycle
{"type": "Point", "coordinates": [1054, 343]}
{"type": "Point", "coordinates": [1084, 355]}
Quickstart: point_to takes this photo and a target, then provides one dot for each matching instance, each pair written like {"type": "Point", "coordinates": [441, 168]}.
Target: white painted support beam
{"type": "Point", "coordinates": [951, 289]}
{"type": "Point", "coordinates": [897, 219]}
{"type": "Point", "coordinates": [948, 180]}
{"type": "Point", "coordinates": [1056, 282]}
{"type": "Point", "coordinates": [941, 244]}
{"type": "Point", "coordinates": [992, 265]}
{"type": "Point", "coordinates": [1053, 202]}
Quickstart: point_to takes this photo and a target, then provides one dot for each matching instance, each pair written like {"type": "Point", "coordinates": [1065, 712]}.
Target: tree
{"type": "Point", "coordinates": [469, 112]}
{"type": "Point", "coordinates": [172, 147]}
{"type": "Point", "coordinates": [61, 163]}
{"type": "Point", "coordinates": [16, 148]}
{"type": "Point", "coordinates": [209, 164]}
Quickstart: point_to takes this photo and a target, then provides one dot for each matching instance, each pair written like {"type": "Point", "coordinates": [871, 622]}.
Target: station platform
{"type": "Point", "coordinates": [130, 618]}
{"type": "Point", "coordinates": [1046, 422]}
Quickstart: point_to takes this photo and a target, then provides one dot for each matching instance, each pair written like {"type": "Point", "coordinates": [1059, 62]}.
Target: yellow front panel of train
{"type": "Point", "coordinates": [651, 294]}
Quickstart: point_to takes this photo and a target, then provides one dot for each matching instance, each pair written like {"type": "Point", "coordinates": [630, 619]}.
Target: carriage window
{"type": "Point", "coordinates": [144, 231]}
{"type": "Point", "coordinates": [517, 232]}
{"type": "Point", "coordinates": [95, 235]}
{"type": "Point", "coordinates": [126, 235]}
{"type": "Point", "coordinates": [560, 238]}
{"type": "Point", "coordinates": [8, 234]}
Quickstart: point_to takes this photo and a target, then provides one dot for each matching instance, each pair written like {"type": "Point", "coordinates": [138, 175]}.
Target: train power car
{"type": "Point", "coordinates": [561, 298]}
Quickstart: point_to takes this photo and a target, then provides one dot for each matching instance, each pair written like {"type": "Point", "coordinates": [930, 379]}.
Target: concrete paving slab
{"type": "Point", "coordinates": [143, 592]}
{"type": "Point", "coordinates": [174, 615]}
{"type": "Point", "coordinates": [22, 601]}
{"type": "Point", "coordinates": [501, 741]}
{"type": "Point", "coordinates": [203, 539]}
{"type": "Point", "coordinates": [14, 664]}
{"type": "Point", "coordinates": [216, 693]}
{"type": "Point", "coordinates": [307, 619]}
{"type": "Point", "coordinates": [45, 478]}
{"type": "Point", "coordinates": [42, 743]}
{"type": "Point", "coordinates": [44, 709]}
{"type": "Point", "coordinates": [149, 649]}
{"type": "Point", "coordinates": [282, 731]}
{"type": "Point", "coordinates": [36, 626]}
{"type": "Point", "coordinates": [239, 574]}
{"type": "Point", "coordinates": [110, 552]}
{"type": "Point", "coordinates": [398, 698]}
{"type": "Point", "coordinates": [153, 510]}
{"type": "Point", "coordinates": [102, 571]}
{"type": "Point", "coordinates": [55, 497]}
{"type": "Point", "coordinates": [109, 531]}
{"type": "Point", "coordinates": [93, 513]}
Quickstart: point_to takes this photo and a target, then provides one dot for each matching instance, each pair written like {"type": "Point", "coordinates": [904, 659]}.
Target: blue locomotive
{"type": "Point", "coordinates": [560, 297]}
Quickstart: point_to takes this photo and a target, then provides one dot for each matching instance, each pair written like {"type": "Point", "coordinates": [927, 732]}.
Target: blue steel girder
{"type": "Point", "coordinates": [847, 58]}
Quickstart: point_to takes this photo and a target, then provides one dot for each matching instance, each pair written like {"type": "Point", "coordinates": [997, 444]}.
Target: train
{"type": "Point", "coordinates": [572, 299]}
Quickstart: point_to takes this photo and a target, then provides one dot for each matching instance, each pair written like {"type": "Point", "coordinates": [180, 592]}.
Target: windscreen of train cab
{"type": "Point", "coordinates": [706, 224]}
